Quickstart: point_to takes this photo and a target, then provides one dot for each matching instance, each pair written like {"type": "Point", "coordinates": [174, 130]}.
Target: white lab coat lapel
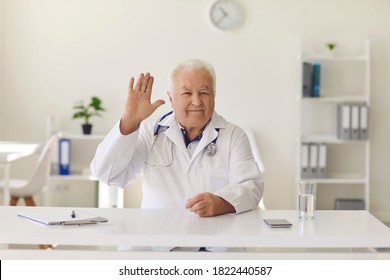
{"type": "Point", "coordinates": [209, 134]}
{"type": "Point", "coordinates": [173, 132]}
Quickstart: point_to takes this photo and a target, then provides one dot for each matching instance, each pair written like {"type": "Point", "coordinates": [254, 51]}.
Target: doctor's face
{"type": "Point", "coordinates": [192, 98]}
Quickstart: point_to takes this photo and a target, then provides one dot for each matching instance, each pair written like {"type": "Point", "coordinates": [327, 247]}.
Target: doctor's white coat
{"type": "Point", "coordinates": [170, 175]}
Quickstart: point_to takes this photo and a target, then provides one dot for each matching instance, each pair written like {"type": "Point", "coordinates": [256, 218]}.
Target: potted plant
{"type": "Point", "coordinates": [330, 47]}
{"type": "Point", "coordinates": [85, 112]}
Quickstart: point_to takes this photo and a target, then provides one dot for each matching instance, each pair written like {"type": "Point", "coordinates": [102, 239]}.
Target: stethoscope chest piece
{"type": "Point", "coordinates": [211, 149]}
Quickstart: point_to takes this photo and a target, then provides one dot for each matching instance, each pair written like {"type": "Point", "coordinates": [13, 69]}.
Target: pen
{"type": "Point", "coordinates": [79, 223]}
{"type": "Point", "coordinates": [73, 214]}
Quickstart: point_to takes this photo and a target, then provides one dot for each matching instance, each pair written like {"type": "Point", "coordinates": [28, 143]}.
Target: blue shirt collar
{"type": "Point", "coordinates": [187, 140]}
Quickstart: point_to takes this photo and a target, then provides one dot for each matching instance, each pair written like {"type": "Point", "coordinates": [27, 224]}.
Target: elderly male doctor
{"type": "Point", "coordinates": [190, 158]}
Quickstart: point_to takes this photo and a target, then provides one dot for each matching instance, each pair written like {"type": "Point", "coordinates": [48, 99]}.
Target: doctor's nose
{"type": "Point", "coordinates": [196, 101]}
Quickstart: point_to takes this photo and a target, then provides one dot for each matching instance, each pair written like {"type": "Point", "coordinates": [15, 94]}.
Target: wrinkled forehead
{"type": "Point", "coordinates": [194, 79]}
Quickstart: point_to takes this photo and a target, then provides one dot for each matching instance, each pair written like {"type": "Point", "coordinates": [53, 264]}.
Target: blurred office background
{"type": "Point", "coordinates": [55, 52]}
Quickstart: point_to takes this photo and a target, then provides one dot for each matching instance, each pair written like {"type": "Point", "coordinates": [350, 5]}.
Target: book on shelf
{"type": "Point", "coordinates": [305, 160]}
{"type": "Point", "coordinates": [307, 79]}
{"type": "Point", "coordinates": [311, 77]}
{"type": "Point", "coordinates": [363, 122]}
{"type": "Point", "coordinates": [64, 156]}
{"type": "Point", "coordinates": [322, 155]}
{"type": "Point", "coordinates": [313, 160]}
{"type": "Point", "coordinates": [343, 122]}
{"type": "Point", "coordinates": [354, 122]}
{"type": "Point", "coordinates": [316, 79]}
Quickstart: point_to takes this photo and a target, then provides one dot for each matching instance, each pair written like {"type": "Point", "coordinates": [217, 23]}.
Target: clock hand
{"type": "Point", "coordinates": [223, 12]}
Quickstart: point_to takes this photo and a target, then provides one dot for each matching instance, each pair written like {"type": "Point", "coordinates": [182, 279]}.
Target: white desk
{"type": "Point", "coordinates": [330, 229]}
{"type": "Point", "coordinates": [10, 151]}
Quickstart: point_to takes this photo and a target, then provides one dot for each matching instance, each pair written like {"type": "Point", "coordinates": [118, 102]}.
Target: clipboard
{"type": "Point", "coordinates": [58, 216]}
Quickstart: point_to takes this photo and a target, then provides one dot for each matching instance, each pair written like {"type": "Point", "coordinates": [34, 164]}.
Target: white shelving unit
{"type": "Point", "coordinates": [343, 79]}
{"type": "Point", "coordinates": [80, 188]}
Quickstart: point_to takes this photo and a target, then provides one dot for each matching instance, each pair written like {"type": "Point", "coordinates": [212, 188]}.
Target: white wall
{"type": "Point", "coordinates": [58, 51]}
{"type": "Point", "coordinates": [1, 68]}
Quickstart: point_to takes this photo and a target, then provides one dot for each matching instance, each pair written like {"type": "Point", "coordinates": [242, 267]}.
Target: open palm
{"type": "Point", "coordinates": [138, 105]}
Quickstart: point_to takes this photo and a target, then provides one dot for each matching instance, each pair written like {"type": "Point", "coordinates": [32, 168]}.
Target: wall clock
{"type": "Point", "coordinates": [227, 14]}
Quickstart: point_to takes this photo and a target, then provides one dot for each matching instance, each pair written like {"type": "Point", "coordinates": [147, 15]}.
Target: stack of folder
{"type": "Point", "coordinates": [352, 122]}
{"type": "Point", "coordinates": [313, 160]}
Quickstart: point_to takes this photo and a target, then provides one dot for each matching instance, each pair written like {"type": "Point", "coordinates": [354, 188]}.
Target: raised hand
{"type": "Point", "coordinates": [138, 105]}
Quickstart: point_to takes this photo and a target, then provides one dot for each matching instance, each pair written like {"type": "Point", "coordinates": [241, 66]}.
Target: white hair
{"type": "Point", "coordinates": [191, 64]}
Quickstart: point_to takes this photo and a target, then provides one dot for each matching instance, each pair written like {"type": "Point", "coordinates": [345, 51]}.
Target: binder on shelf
{"type": "Point", "coordinates": [316, 79]}
{"type": "Point", "coordinates": [313, 160]}
{"type": "Point", "coordinates": [322, 161]}
{"type": "Point", "coordinates": [307, 79]}
{"type": "Point", "coordinates": [344, 122]}
{"type": "Point", "coordinates": [354, 122]}
{"type": "Point", "coordinates": [305, 161]}
{"type": "Point", "coordinates": [64, 156]}
{"type": "Point", "coordinates": [363, 122]}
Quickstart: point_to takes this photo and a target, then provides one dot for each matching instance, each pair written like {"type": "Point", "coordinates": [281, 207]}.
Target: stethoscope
{"type": "Point", "coordinates": [209, 151]}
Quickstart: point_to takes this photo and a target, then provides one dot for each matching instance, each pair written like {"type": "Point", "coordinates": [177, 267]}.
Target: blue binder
{"type": "Point", "coordinates": [316, 79]}
{"type": "Point", "coordinates": [64, 156]}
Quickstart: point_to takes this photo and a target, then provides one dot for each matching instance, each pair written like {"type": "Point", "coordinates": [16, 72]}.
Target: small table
{"type": "Point", "coordinates": [11, 151]}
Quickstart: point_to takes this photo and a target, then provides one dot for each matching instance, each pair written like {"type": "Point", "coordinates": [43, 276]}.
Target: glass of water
{"type": "Point", "coordinates": [307, 199]}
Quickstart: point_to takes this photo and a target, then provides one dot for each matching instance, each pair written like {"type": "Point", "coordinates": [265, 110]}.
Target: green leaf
{"type": "Point", "coordinates": [86, 112]}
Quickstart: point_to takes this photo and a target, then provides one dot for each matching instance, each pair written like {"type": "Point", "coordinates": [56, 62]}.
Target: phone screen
{"type": "Point", "coordinates": [278, 223]}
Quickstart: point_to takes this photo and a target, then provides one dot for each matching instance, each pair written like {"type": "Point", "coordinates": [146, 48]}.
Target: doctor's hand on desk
{"type": "Point", "coordinates": [138, 105]}
{"type": "Point", "coordinates": [207, 205]}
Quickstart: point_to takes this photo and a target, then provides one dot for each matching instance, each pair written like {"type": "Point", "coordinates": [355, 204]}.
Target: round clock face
{"type": "Point", "coordinates": [226, 14]}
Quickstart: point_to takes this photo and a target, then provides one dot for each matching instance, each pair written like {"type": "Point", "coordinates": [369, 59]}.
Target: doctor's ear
{"type": "Point", "coordinates": [169, 96]}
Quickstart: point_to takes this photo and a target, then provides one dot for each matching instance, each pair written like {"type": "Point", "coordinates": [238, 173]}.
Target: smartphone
{"type": "Point", "coordinates": [278, 223]}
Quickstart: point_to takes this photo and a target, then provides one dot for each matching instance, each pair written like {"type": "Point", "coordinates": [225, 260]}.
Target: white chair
{"type": "Point", "coordinates": [27, 188]}
{"type": "Point", "coordinates": [256, 155]}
